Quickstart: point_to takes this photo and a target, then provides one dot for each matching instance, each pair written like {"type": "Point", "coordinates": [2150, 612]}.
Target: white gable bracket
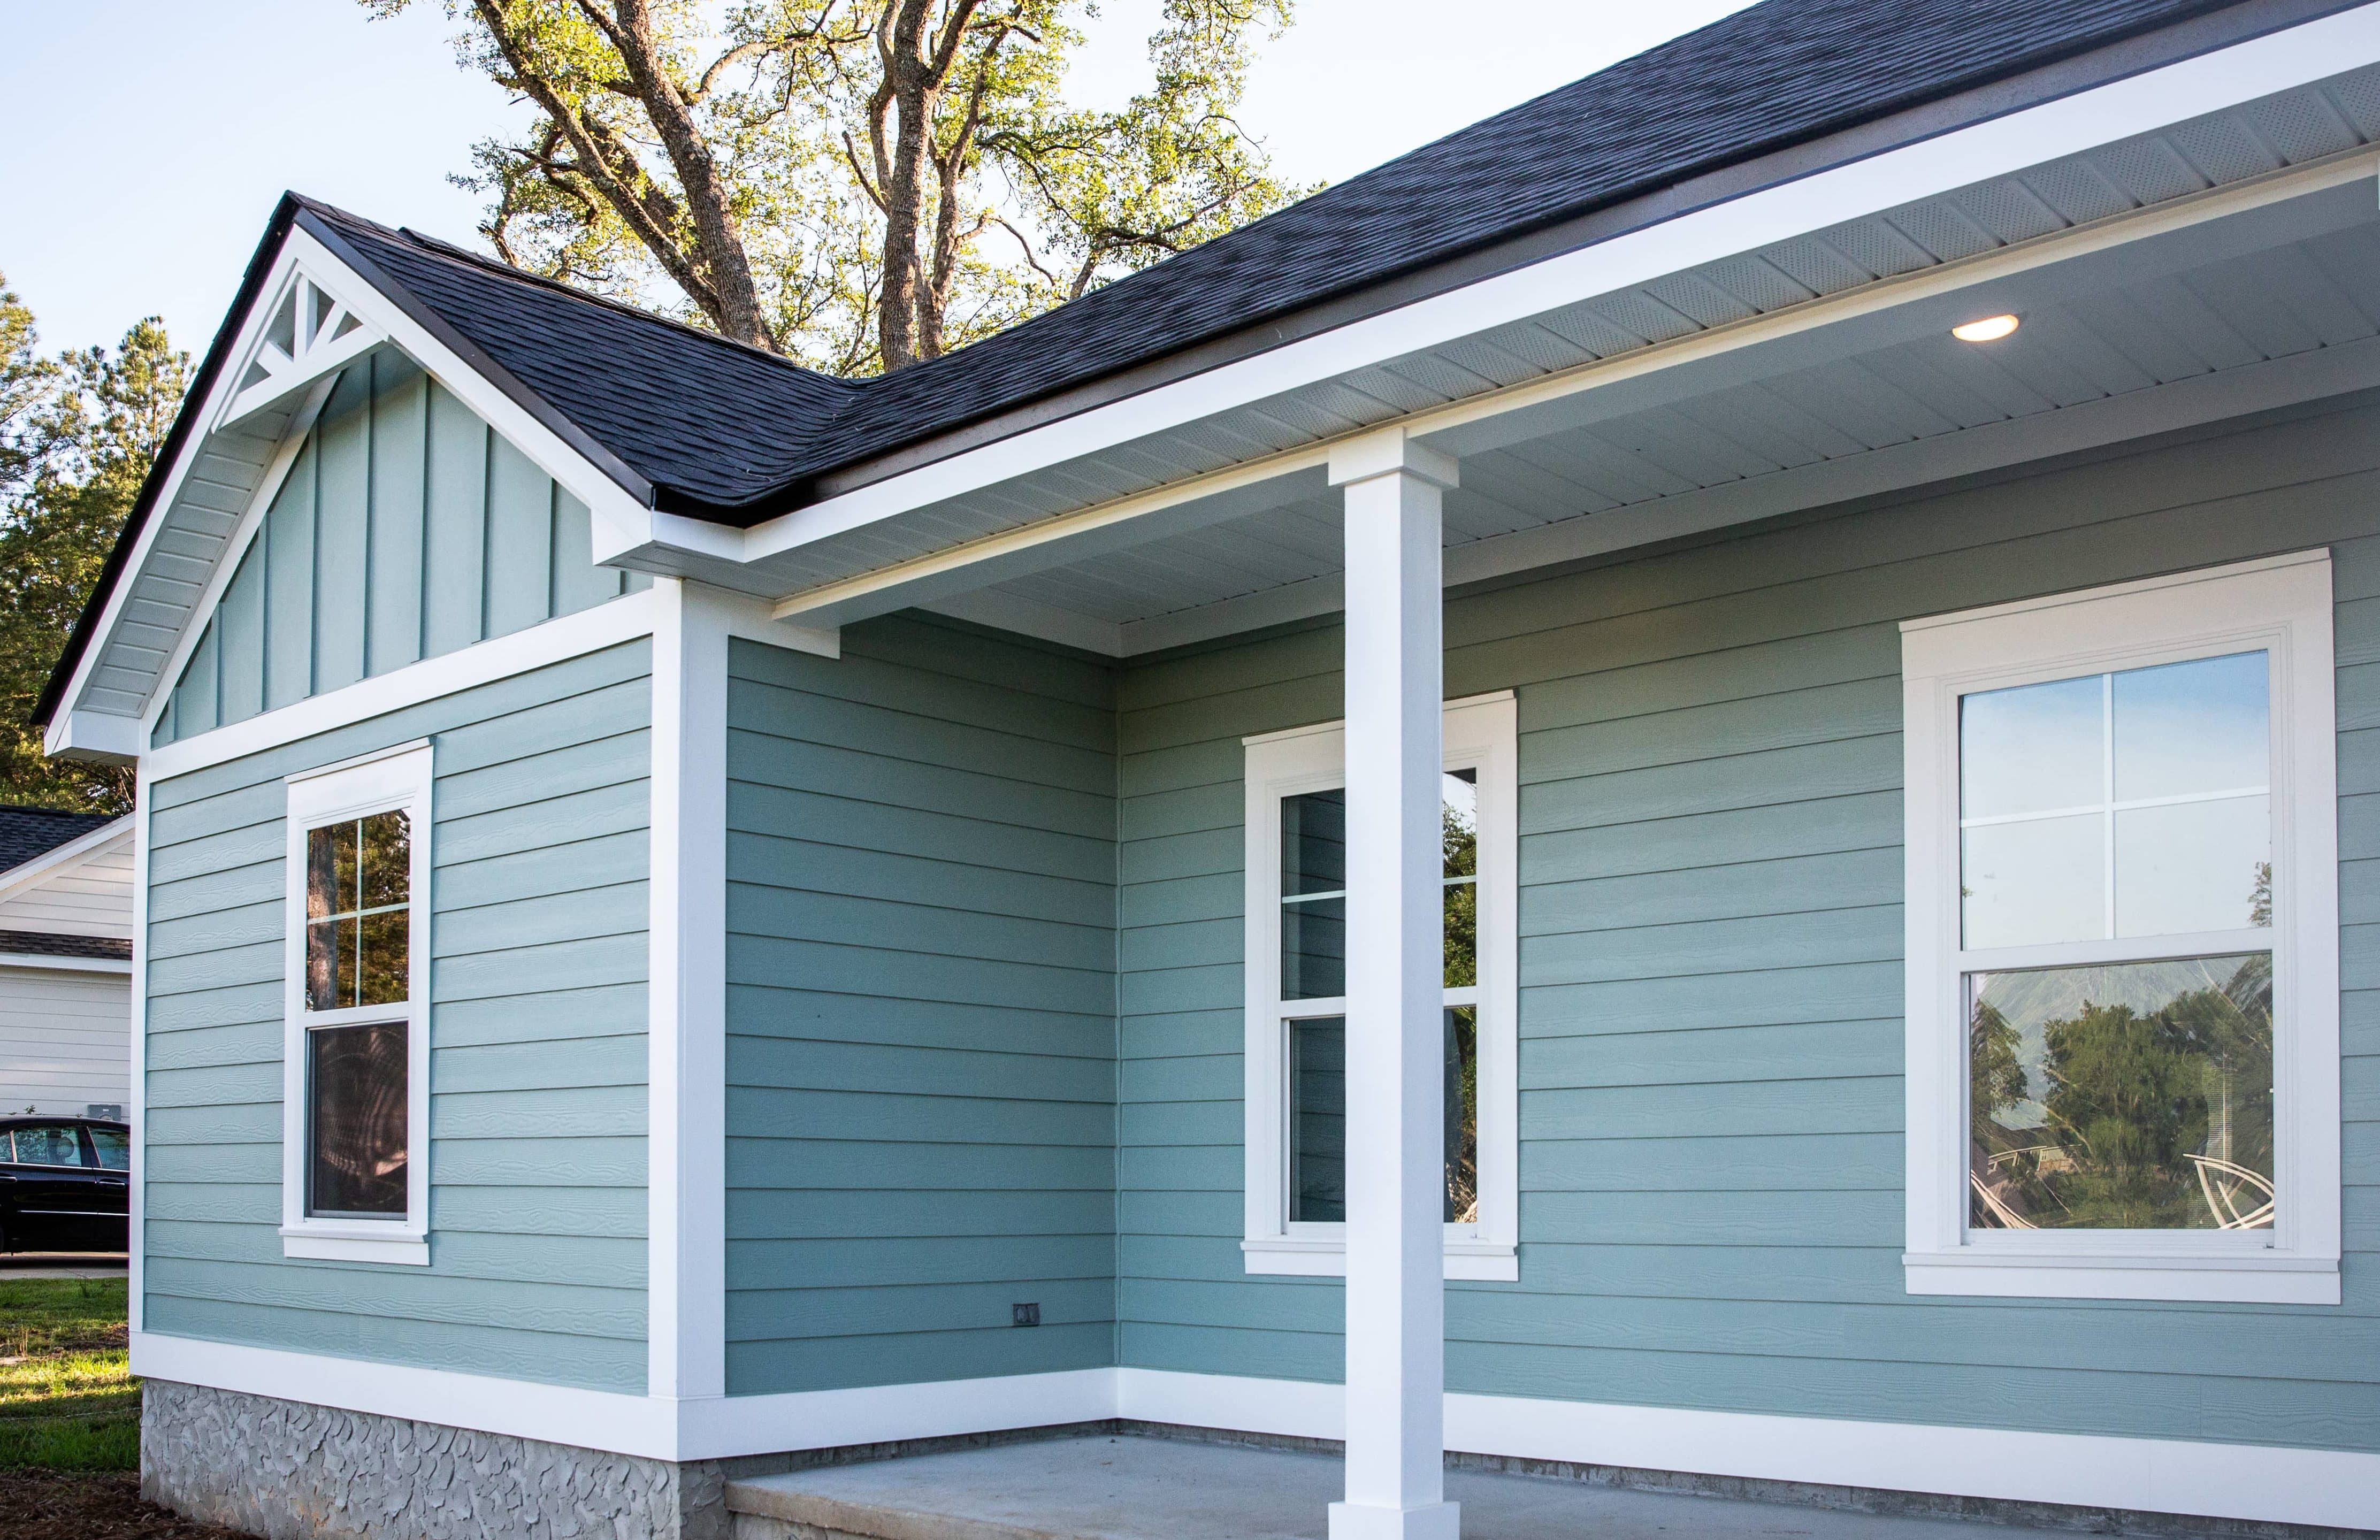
{"type": "Point", "coordinates": [311, 336]}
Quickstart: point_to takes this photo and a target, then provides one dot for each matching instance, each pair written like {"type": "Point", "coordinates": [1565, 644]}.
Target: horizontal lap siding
{"type": "Point", "coordinates": [1711, 1166]}
{"type": "Point", "coordinates": [63, 1039]}
{"type": "Point", "coordinates": [921, 1011]}
{"type": "Point", "coordinates": [538, 1051]}
{"type": "Point", "coordinates": [405, 528]}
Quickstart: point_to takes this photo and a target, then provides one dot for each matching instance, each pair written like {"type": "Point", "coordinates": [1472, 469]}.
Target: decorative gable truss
{"type": "Point", "coordinates": [312, 335]}
{"type": "Point", "coordinates": [314, 320]}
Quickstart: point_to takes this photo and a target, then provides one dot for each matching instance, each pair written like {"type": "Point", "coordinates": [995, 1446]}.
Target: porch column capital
{"type": "Point", "coordinates": [1389, 452]}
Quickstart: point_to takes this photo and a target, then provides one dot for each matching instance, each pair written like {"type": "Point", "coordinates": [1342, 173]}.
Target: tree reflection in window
{"type": "Point", "coordinates": [358, 917]}
{"type": "Point", "coordinates": [2134, 1096]}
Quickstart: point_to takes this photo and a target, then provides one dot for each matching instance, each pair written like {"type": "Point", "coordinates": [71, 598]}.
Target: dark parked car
{"type": "Point", "coordinates": [65, 1183]}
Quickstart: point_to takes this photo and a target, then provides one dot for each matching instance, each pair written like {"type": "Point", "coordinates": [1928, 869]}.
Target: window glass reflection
{"type": "Point", "coordinates": [1317, 1120]}
{"type": "Point", "coordinates": [1458, 839]}
{"type": "Point", "coordinates": [356, 1093]}
{"type": "Point", "coordinates": [2034, 749]}
{"type": "Point", "coordinates": [1462, 1115]}
{"type": "Point", "coordinates": [2121, 804]}
{"type": "Point", "coordinates": [358, 881]}
{"type": "Point", "coordinates": [2131, 1097]}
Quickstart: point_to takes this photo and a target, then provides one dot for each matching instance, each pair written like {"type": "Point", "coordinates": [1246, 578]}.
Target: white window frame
{"type": "Point", "coordinates": [1480, 735]}
{"type": "Point", "coordinates": [2281, 606]}
{"type": "Point", "coordinates": [396, 780]}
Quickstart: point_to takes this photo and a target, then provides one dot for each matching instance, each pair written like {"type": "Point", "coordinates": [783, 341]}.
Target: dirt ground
{"type": "Point", "coordinates": [53, 1504]}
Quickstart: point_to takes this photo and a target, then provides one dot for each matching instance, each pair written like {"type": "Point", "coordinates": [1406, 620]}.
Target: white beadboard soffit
{"type": "Point", "coordinates": [2257, 225]}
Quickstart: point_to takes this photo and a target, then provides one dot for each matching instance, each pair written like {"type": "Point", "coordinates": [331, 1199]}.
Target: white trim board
{"type": "Point", "coordinates": [607, 624]}
{"type": "Point", "coordinates": [2273, 1483]}
{"type": "Point", "coordinates": [2286, 1486]}
{"type": "Point", "coordinates": [37, 962]}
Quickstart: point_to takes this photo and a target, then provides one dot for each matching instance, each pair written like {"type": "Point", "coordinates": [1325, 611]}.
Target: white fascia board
{"type": "Point", "coordinates": [610, 502]}
{"type": "Point", "coordinates": [2141, 104]}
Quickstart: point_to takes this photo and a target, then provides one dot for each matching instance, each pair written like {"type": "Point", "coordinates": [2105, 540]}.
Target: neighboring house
{"type": "Point", "coordinates": [685, 902]}
{"type": "Point", "coordinates": [66, 962]}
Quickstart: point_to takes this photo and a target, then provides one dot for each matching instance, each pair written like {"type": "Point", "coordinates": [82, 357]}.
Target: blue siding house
{"type": "Point", "coordinates": [1686, 790]}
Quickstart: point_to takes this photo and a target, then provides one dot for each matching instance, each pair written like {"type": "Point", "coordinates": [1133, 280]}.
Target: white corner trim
{"type": "Point", "coordinates": [135, 1262]}
{"type": "Point", "coordinates": [2281, 606]}
{"type": "Point", "coordinates": [397, 780]}
{"type": "Point", "coordinates": [2274, 1485]}
{"type": "Point", "coordinates": [34, 960]}
{"type": "Point", "coordinates": [686, 1289]}
{"type": "Point", "coordinates": [1480, 731]}
{"type": "Point", "coordinates": [607, 624]}
{"type": "Point", "coordinates": [2208, 82]}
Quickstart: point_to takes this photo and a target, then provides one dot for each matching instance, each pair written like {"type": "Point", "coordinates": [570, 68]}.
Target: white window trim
{"type": "Point", "coordinates": [2281, 605]}
{"type": "Point", "coordinates": [1481, 732]}
{"type": "Point", "coordinates": [393, 780]}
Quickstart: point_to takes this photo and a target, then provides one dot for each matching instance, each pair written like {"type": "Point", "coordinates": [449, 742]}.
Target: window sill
{"type": "Point", "coordinates": [1286, 1256]}
{"type": "Point", "coordinates": [2265, 1279]}
{"type": "Point", "coordinates": [349, 1244]}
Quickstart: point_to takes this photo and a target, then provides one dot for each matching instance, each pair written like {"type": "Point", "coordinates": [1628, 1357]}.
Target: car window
{"type": "Point", "coordinates": [115, 1147]}
{"type": "Point", "coordinates": [48, 1144]}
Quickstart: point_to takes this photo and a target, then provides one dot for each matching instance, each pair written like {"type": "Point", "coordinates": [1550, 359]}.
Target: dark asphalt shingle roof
{"type": "Point", "coordinates": [700, 426]}
{"type": "Point", "coordinates": [29, 832]}
{"type": "Point", "coordinates": [731, 434]}
{"type": "Point", "coordinates": [41, 943]}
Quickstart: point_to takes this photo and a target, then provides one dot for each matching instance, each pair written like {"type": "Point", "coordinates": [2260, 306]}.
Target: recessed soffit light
{"type": "Point", "coordinates": [1989, 329]}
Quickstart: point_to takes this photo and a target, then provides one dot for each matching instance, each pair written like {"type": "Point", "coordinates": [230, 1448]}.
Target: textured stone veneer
{"type": "Point", "coordinates": [292, 1471]}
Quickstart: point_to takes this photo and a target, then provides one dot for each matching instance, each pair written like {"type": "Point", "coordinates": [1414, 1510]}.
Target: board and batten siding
{"type": "Point", "coordinates": [407, 528]}
{"type": "Point", "coordinates": [539, 814]}
{"type": "Point", "coordinates": [1710, 956]}
{"type": "Point", "coordinates": [920, 1010]}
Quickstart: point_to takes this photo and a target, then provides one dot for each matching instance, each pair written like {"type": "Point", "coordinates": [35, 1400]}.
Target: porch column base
{"type": "Point", "coordinates": [1355, 1521]}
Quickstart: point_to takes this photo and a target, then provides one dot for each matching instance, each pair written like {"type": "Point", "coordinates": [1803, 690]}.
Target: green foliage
{"type": "Point", "coordinates": [69, 1403]}
{"type": "Point", "coordinates": [2132, 1094]}
{"type": "Point", "coordinates": [77, 436]}
{"type": "Point", "coordinates": [875, 181]}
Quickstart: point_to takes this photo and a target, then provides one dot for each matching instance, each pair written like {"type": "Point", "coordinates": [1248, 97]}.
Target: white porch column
{"type": "Point", "coordinates": [1396, 1305]}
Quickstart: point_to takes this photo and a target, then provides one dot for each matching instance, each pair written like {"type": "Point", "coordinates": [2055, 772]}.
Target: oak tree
{"type": "Point", "coordinates": [859, 185]}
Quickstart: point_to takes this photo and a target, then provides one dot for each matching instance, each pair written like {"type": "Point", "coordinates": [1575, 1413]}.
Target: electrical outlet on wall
{"type": "Point", "coordinates": [1026, 1314]}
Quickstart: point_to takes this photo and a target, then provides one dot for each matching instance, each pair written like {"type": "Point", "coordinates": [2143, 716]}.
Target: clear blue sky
{"type": "Point", "coordinates": [144, 141]}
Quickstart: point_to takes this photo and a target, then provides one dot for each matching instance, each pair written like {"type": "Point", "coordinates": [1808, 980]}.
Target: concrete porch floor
{"type": "Point", "coordinates": [1131, 1488]}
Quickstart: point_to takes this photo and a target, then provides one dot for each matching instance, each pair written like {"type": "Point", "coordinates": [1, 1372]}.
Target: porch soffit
{"type": "Point", "coordinates": [1261, 523]}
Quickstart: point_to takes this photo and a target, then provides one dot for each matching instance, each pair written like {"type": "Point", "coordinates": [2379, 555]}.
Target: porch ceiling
{"type": "Point", "coordinates": [2260, 309]}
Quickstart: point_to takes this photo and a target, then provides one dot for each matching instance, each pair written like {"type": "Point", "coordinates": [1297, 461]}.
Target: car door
{"type": "Point", "coordinates": [108, 1149]}
{"type": "Point", "coordinates": [56, 1194]}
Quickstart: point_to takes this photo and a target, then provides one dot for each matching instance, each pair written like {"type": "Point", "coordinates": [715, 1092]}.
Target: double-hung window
{"type": "Point", "coordinates": [354, 1183]}
{"type": "Point", "coordinates": [2123, 942]}
{"type": "Point", "coordinates": [1296, 983]}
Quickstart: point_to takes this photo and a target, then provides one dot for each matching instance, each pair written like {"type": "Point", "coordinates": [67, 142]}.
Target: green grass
{"type": "Point", "coordinates": [68, 1402]}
